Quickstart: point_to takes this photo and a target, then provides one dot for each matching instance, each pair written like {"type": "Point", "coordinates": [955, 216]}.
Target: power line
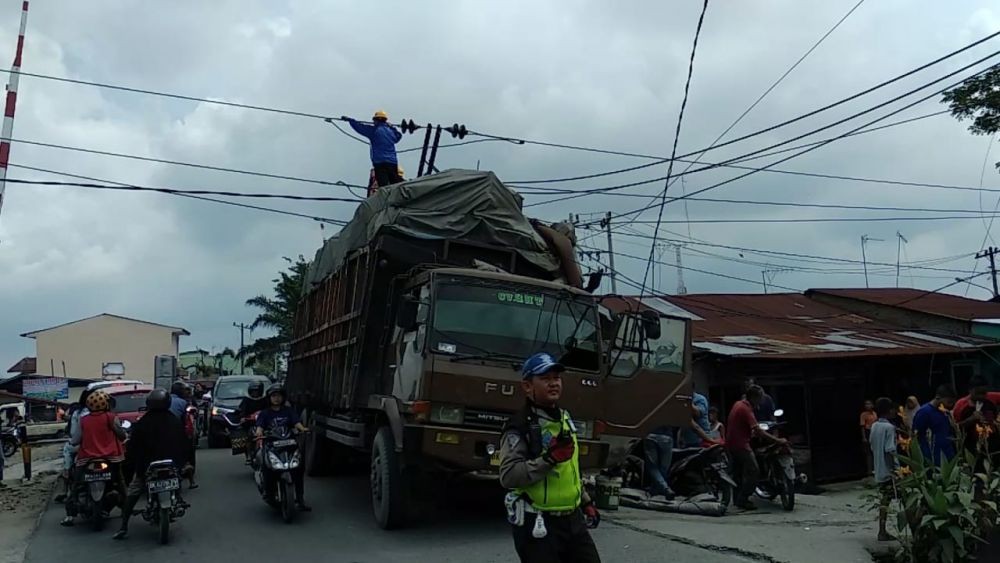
{"type": "Point", "coordinates": [677, 136]}
{"type": "Point", "coordinates": [185, 164]}
{"type": "Point", "coordinates": [810, 149]}
{"type": "Point", "coordinates": [815, 220]}
{"type": "Point", "coordinates": [132, 187]}
{"type": "Point", "coordinates": [183, 194]}
{"type": "Point", "coordinates": [756, 133]}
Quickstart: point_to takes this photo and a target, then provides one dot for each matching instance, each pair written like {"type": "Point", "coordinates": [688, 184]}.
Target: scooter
{"type": "Point", "coordinates": [96, 494]}
{"type": "Point", "coordinates": [777, 468]}
{"type": "Point", "coordinates": [695, 471]}
{"type": "Point", "coordinates": [162, 503]}
{"type": "Point", "coordinates": [277, 457]}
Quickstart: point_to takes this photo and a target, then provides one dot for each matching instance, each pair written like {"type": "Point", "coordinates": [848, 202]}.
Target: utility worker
{"type": "Point", "coordinates": [383, 138]}
{"type": "Point", "coordinates": [539, 463]}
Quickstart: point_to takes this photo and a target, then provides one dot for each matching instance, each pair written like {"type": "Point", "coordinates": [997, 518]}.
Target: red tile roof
{"type": "Point", "coordinates": [943, 304]}
{"type": "Point", "coordinates": [791, 325]}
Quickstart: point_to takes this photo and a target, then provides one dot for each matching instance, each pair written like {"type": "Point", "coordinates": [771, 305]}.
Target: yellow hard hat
{"type": "Point", "coordinates": [381, 114]}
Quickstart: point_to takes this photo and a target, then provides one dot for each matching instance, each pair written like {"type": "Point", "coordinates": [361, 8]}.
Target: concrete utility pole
{"type": "Point", "coordinates": [864, 257]}
{"type": "Point", "coordinates": [8, 112]}
{"type": "Point", "coordinates": [991, 253]}
{"type": "Point", "coordinates": [243, 328]}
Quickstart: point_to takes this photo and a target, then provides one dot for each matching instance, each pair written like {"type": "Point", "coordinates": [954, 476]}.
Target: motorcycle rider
{"type": "Point", "coordinates": [255, 400]}
{"type": "Point", "coordinates": [157, 435]}
{"type": "Point", "coordinates": [278, 414]}
{"type": "Point", "coordinates": [539, 463]}
{"type": "Point", "coordinates": [73, 414]}
{"type": "Point", "coordinates": [99, 435]}
{"type": "Point", "coordinates": [740, 428]}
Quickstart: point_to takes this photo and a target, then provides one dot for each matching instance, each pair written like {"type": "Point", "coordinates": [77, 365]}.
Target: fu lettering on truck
{"type": "Point", "coordinates": [503, 388]}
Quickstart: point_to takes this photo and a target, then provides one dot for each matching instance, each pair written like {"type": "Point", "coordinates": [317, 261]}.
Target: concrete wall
{"type": "Point", "coordinates": [85, 346]}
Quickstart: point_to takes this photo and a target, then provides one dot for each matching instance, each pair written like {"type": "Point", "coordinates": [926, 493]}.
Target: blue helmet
{"type": "Point", "coordinates": [540, 363]}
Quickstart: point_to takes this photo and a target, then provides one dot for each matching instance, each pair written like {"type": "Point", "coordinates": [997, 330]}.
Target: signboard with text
{"type": "Point", "coordinates": [49, 388]}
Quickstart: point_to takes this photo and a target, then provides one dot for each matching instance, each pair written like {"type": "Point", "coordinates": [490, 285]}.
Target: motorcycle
{"type": "Point", "coordinates": [695, 471]}
{"type": "Point", "coordinates": [11, 441]}
{"type": "Point", "coordinates": [162, 503]}
{"type": "Point", "coordinates": [276, 458]}
{"type": "Point", "coordinates": [96, 494]}
{"type": "Point", "coordinates": [777, 468]}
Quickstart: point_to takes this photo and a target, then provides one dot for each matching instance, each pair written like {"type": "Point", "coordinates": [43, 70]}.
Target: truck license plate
{"type": "Point", "coordinates": [495, 460]}
{"type": "Point", "coordinates": [164, 485]}
{"type": "Point", "coordinates": [91, 477]}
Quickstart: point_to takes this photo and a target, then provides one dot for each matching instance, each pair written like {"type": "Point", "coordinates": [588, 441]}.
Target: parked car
{"type": "Point", "coordinates": [229, 391]}
{"type": "Point", "coordinates": [41, 425]}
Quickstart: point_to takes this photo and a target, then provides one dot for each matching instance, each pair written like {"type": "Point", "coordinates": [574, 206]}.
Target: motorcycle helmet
{"type": "Point", "coordinates": [98, 401]}
{"type": "Point", "coordinates": [255, 390]}
{"type": "Point", "coordinates": [179, 388]}
{"type": "Point", "coordinates": [158, 400]}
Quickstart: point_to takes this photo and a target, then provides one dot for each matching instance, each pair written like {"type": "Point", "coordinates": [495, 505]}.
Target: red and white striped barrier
{"type": "Point", "coordinates": [8, 112]}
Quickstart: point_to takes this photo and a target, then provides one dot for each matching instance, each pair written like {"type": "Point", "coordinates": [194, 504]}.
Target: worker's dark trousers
{"type": "Point", "coordinates": [567, 541]}
{"type": "Point", "coordinates": [386, 173]}
{"type": "Point", "coordinates": [747, 473]}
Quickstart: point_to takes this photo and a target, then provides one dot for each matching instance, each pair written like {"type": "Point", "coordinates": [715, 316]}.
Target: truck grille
{"type": "Point", "coordinates": [480, 418]}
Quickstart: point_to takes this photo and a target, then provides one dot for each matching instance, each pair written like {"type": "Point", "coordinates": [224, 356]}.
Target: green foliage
{"type": "Point", "coordinates": [944, 512]}
{"type": "Point", "coordinates": [978, 99]}
{"type": "Point", "coordinates": [277, 313]}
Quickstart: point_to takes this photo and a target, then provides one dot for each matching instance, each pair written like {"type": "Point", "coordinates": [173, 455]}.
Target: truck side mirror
{"type": "Point", "coordinates": [651, 324]}
{"type": "Point", "coordinates": [406, 316]}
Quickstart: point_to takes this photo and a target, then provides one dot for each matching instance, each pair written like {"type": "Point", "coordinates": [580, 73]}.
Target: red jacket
{"type": "Point", "coordinates": [99, 440]}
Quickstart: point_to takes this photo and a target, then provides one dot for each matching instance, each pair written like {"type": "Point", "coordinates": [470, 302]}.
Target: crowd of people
{"type": "Point", "coordinates": [942, 427]}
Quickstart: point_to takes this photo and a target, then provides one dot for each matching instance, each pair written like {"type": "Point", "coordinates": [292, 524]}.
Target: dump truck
{"type": "Point", "coordinates": [415, 319]}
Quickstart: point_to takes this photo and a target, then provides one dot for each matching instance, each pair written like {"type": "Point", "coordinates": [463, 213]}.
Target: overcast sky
{"type": "Point", "coordinates": [596, 74]}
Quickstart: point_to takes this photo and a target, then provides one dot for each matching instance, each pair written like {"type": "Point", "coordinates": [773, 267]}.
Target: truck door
{"type": "Point", "coordinates": [648, 381]}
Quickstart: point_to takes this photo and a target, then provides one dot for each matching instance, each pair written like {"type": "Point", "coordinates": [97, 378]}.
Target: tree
{"type": "Point", "coordinates": [978, 99]}
{"type": "Point", "coordinates": [277, 313]}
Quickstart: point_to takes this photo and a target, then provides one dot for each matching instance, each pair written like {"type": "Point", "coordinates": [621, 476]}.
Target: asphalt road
{"type": "Point", "coordinates": [229, 522]}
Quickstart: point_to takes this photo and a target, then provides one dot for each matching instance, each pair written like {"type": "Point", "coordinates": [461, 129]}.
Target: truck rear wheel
{"type": "Point", "coordinates": [389, 502]}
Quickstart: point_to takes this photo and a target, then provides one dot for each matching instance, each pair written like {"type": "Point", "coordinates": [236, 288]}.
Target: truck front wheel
{"type": "Point", "coordinates": [387, 481]}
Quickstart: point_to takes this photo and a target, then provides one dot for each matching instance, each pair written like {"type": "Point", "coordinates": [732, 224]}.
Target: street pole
{"type": "Point", "coordinates": [991, 253]}
{"type": "Point", "coordinates": [763, 278]}
{"type": "Point", "coordinates": [606, 223]}
{"type": "Point", "coordinates": [242, 328]}
{"type": "Point", "coordinates": [864, 257]}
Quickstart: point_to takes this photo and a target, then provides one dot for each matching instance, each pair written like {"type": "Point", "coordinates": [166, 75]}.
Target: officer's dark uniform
{"type": "Point", "coordinates": [553, 490]}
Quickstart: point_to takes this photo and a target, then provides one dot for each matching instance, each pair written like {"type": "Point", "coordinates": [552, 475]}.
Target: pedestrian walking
{"type": "Point", "coordinates": [547, 507]}
{"type": "Point", "coordinates": [882, 441]}
{"type": "Point", "coordinates": [383, 138]}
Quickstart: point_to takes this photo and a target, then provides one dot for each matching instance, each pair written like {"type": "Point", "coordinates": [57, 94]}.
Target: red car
{"type": "Point", "coordinates": [129, 400]}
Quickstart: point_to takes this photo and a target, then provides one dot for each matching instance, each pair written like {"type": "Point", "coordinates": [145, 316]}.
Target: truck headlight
{"type": "Point", "coordinates": [447, 414]}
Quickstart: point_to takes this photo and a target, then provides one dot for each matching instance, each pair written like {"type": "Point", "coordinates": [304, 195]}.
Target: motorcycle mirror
{"type": "Point", "coordinates": [779, 412]}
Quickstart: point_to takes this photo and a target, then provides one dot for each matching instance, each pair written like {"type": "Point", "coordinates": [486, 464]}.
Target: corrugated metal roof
{"type": "Point", "coordinates": [943, 304]}
{"type": "Point", "coordinates": [790, 325]}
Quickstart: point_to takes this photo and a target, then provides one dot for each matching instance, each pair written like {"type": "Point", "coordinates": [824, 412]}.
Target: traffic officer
{"type": "Point", "coordinates": [539, 463]}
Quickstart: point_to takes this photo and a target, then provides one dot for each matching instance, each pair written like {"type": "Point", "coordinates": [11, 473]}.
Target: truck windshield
{"type": "Point", "coordinates": [514, 322]}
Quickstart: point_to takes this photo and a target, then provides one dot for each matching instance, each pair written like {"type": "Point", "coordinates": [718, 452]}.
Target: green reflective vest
{"type": "Point", "coordinates": [560, 489]}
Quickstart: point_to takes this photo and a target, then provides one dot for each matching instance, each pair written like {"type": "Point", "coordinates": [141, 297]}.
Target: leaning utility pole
{"type": "Point", "coordinates": [864, 257]}
{"type": "Point", "coordinates": [900, 239]}
{"type": "Point", "coordinates": [242, 328]}
{"type": "Point", "coordinates": [606, 225]}
{"type": "Point", "coordinates": [8, 111]}
{"type": "Point", "coordinates": [991, 253]}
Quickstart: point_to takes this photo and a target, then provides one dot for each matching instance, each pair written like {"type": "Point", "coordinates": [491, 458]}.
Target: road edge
{"type": "Point", "coordinates": [38, 520]}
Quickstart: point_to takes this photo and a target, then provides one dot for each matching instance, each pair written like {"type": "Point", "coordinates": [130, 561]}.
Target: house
{"type": "Point", "coordinates": [820, 362]}
{"type": "Point", "coordinates": [102, 345]}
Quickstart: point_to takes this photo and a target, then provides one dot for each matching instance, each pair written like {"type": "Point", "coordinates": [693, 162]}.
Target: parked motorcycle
{"type": "Point", "coordinates": [162, 503]}
{"type": "Point", "coordinates": [777, 468]}
{"type": "Point", "coordinates": [96, 494]}
{"type": "Point", "coordinates": [10, 440]}
{"type": "Point", "coordinates": [277, 457]}
{"type": "Point", "coordinates": [695, 471]}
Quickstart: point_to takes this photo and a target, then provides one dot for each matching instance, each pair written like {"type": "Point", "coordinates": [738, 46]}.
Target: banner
{"type": "Point", "coordinates": [50, 388]}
